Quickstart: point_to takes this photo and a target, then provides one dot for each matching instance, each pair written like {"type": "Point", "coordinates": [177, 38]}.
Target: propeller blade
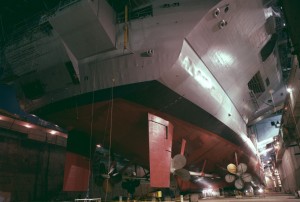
{"type": "Point", "coordinates": [183, 174]}
{"type": "Point", "coordinates": [241, 168]}
{"type": "Point", "coordinates": [231, 168]}
{"type": "Point", "coordinates": [246, 177]}
{"type": "Point", "coordinates": [178, 162]}
{"type": "Point", "coordinates": [229, 178]}
{"type": "Point", "coordinates": [112, 167]}
{"type": "Point", "coordinates": [239, 184]}
{"type": "Point", "coordinates": [115, 178]}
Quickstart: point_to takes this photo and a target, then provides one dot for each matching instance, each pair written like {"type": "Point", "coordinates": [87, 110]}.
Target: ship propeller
{"type": "Point", "coordinates": [238, 175]}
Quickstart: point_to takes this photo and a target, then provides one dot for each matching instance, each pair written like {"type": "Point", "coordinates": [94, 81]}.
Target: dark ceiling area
{"type": "Point", "coordinates": [291, 11]}
{"type": "Point", "coordinates": [132, 4]}
{"type": "Point", "coordinates": [18, 14]}
{"type": "Point", "coordinates": [14, 13]}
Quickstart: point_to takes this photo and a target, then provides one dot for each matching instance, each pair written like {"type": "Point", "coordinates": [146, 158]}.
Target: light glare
{"type": "Point", "coordinates": [52, 132]}
{"type": "Point", "coordinates": [199, 75]}
{"type": "Point", "coordinates": [27, 126]}
{"type": "Point", "coordinates": [224, 59]}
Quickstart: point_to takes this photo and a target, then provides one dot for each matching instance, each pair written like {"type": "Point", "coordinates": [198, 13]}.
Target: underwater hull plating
{"type": "Point", "coordinates": [129, 129]}
{"type": "Point", "coordinates": [178, 82]}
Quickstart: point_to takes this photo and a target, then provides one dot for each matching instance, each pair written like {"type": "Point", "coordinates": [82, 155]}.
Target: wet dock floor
{"type": "Point", "coordinates": [270, 198]}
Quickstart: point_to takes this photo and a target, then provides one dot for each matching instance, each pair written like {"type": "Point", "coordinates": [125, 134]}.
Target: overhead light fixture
{"type": "Point", "coordinates": [53, 132]}
{"type": "Point", "coordinates": [289, 90]}
{"type": "Point", "coordinates": [27, 126]}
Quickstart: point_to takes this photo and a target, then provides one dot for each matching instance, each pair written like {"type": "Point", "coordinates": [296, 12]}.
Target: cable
{"type": "Point", "coordinates": [106, 124]}
{"type": "Point", "coordinates": [110, 134]}
{"type": "Point", "coordinates": [91, 135]}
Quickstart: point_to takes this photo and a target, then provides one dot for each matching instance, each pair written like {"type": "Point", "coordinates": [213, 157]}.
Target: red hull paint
{"type": "Point", "coordinates": [160, 147]}
{"type": "Point", "coordinates": [76, 173]}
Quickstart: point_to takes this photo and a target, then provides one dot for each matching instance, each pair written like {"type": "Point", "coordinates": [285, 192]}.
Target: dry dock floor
{"type": "Point", "coordinates": [269, 198]}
